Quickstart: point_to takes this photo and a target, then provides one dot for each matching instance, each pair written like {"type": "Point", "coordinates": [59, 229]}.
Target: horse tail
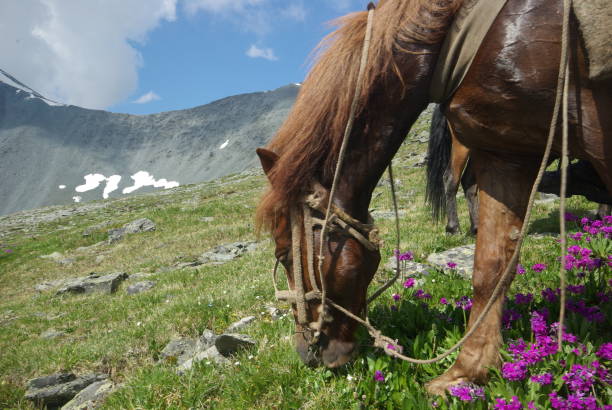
{"type": "Point", "coordinates": [439, 155]}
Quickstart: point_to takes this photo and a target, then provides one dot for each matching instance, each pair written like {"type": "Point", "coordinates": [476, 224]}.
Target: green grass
{"type": "Point", "coordinates": [123, 335]}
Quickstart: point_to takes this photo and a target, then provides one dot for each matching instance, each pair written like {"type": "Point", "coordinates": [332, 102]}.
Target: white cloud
{"type": "Point", "coordinates": [220, 6]}
{"type": "Point", "coordinates": [256, 52]}
{"type": "Point", "coordinates": [147, 98]}
{"type": "Point", "coordinates": [79, 52]}
{"type": "Point", "coordinates": [295, 11]}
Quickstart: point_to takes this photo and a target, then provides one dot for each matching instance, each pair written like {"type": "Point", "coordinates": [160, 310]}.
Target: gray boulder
{"type": "Point", "coordinates": [57, 389]}
{"type": "Point", "coordinates": [225, 253]}
{"type": "Point", "coordinates": [140, 287]}
{"type": "Point", "coordinates": [241, 324]}
{"type": "Point", "coordinates": [137, 226]}
{"type": "Point", "coordinates": [52, 334]}
{"type": "Point", "coordinates": [179, 351]}
{"type": "Point", "coordinates": [230, 343]}
{"type": "Point", "coordinates": [211, 354]}
{"type": "Point", "coordinates": [462, 256]}
{"type": "Point", "coordinates": [91, 397]}
{"type": "Point", "coordinates": [94, 283]}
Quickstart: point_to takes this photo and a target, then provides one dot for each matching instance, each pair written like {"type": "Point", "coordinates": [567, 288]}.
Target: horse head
{"type": "Point", "coordinates": [324, 335]}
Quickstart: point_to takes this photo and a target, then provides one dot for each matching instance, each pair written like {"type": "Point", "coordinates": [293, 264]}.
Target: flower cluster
{"type": "Point", "coordinates": [467, 392]}
{"type": "Point", "coordinates": [464, 303]}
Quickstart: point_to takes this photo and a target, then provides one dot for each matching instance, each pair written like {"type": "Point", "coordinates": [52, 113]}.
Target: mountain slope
{"type": "Point", "coordinates": [44, 145]}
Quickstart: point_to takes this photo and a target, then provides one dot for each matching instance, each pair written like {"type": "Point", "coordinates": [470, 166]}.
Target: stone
{"type": "Point", "coordinates": [230, 343]}
{"type": "Point", "coordinates": [409, 268]}
{"type": "Point", "coordinates": [274, 312]}
{"type": "Point", "coordinates": [46, 286]}
{"type": "Point", "coordinates": [99, 259]}
{"type": "Point", "coordinates": [140, 287]}
{"type": "Point", "coordinates": [91, 229]}
{"type": "Point", "coordinates": [206, 340]}
{"type": "Point", "coordinates": [225, 253]}
{"type": "Point", "coordinates": [211, 354]}
{"type": "Point", "coordinates": [207, 219]}
{"type": "Point", "coordinates": [463, 256]}
{"type": "Point", "coordinates": [419, 161]}
{"type": "Point", "coordinates": [546, 198]}
{"type": "Point", "coordinates": [178, 351]}
{"type": "Point", "coordinates": [140, 275]}
{"type": "Point", "coordinates": [94, 283]}
{"type": "Point", "coordinates": [137, 226]}
{"type": "Point", "coordinates": [184, 265]}
{"type": "Point", "coordinates": [57, 389]}
{"type": "Point", "coordinates": [91, 397]}
{"type": "Point", "coordinates": [55, 256]}
{"type": "Point", "coordinates": [52, 334]}
{"type": "Point", "coordinates": [241, 324]}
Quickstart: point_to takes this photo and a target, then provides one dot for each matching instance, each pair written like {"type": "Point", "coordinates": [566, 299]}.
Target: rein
{"type": "Point", "coordinates": [337, 218]}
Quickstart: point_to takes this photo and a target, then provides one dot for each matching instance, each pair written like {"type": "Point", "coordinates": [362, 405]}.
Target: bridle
{"type": "Point", "coordinates": [304, 220]}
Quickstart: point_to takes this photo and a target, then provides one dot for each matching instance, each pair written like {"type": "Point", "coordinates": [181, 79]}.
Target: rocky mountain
{"type": "Point", "coordinates": [56, 154]}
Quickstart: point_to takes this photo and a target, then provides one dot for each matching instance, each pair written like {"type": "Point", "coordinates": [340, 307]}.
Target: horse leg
{"type": "Point", "coordinates": [504, 185]}
{"type": "Point", "coordinates": [452, 178]}
{"type": "Point", "coordinates": [470, 189]}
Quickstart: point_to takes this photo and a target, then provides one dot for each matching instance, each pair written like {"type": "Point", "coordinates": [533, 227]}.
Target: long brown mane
{"type": "Point", "coordinates": [309, 140]}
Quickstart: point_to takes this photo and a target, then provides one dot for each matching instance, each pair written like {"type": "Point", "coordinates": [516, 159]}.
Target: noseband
{"type": "Point", "coordinates": [339, 222]}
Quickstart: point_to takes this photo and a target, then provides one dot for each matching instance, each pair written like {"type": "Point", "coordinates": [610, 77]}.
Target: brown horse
{"type": "Point", "coordinates": [501, 112]}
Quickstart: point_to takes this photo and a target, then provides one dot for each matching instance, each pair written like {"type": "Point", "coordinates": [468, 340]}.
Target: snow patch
{"type": "Point", "coordinates": [92, 181]}
{"type": "Point", "coordinates": [62, 187]}
{"type": "Point", "coordinates": [76, 199]}
{"type": "Point", "coordinates": [143, 178]}
{"type": "Point", "coordinates": [224, 144]}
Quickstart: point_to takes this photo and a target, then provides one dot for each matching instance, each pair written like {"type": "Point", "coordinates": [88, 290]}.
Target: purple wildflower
{"type": "Point", "coordinates": [579, 378]}
{"type": "Point", "coordinates": [575, 289]}
{"type": "Point", "coordinates": [464, 303]}
{"type": "Point", "coordinates": [443, 301]}
{"type": "Point", "coordinates": [467, 392]}
{"type": "Point", "coordinates": [538, 322]}
{"type": "Point", "coordinates": [576, 236]}
{"type": "Point", "coordinates": [513, 404]}
{"type": "Point", "coordinates": [570, 217]}
{"type": "Point", "coordinates": [543, 379]}
{"type": "Point", "coordinates": [409, 283]}
{"type": "Point", "coordinates": [420, 294]}
{"type": "Point", "coordinates": [451, 265]}
{"type": "Point", "coordinates": [538, 267]}
{"type": "Point", "coordinates": [514, 371]}
{"type": "Point", "coordinates": [396, 297]}
{"type": "Point", "coordinates": [550, 295]}
{"type": "Point", "coordinates": [390, 346]}
{"type": "Point", "coordinates": [605, 351]}
{"type": "Point", "coordinates": [379, 376]}
{"type": "Point", "coordinates": [509, 316]}
{"type": "Point", "coordinates": [520, 269]}
{"type": "Point", "coordinates": [521, 299]}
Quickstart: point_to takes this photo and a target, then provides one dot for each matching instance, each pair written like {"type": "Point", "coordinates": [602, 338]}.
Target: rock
{"type": "Point", "coordinates": [82, 249]}
{"type": "Point", "coordinates": [57, 389]}
{"type": "Point", "coordinates": [546, 198]}
{"type": "Point", "coordinates": [46, 286]}
{"type": "Point", "coordinates": [91, 229]}
{"type": "Point", "coordinates": [211, 354]}
{"type": "Point", "coordinates": [99, 259]}
{"type": "Point", "coordinates": [179, 351]}
{"type": "Point", "coordinates": [140, 287]}
{"type": "Point", "coordinates": [225, 253]}
{"type": "Point", "coordinates": [66, 261]}
{"type": "Point", "coordinates": [52, 334]}
{"type": "Point", "coordinates": [91, 397]}
{"type": "Point", "coordinates": [206, 340]}
{"type": "Point", "coordinates": [409, 268]}
{"type": "Point", "coordinates": [137, 226]}
{"type": "Point", "coordinates": [140, 275]}
{"type": "Point", "coordinates": [56, 256]}
{"type": "Point", "coordinates": [207, 219]}
{"type": "Point", "coordinates": [463, 256]}
{"type": "Point", "coordinates": [230, 343]}
{"type": "Point", "coordinates": [419, 161]}
{"type": "Point", "coordinates": [241, 324]}
{"type": "Point", "coordinates": [184, 265]}
{"type": "Point", "coordinates": [94, 283]}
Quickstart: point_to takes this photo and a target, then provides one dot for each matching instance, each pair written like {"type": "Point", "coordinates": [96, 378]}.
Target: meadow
{"type": "Point", "coordinates": [123, 335]}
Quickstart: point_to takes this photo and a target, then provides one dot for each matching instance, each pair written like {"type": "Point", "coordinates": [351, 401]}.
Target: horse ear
{"type": "Point", "coordinates": [267, 159]}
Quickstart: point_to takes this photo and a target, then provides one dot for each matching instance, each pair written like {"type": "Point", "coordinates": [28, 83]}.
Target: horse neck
{"type": "Point", "coordinates": [391, 109]}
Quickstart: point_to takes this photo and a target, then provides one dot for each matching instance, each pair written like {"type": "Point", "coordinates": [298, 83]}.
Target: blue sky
{"type": "Point", "coordinates": [147, 56]}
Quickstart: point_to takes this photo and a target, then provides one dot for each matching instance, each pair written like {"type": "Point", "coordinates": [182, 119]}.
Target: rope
{"type": "Point", "coordinates": [564, 163]}
{"type": "Point", "coordinates": [347, 133]}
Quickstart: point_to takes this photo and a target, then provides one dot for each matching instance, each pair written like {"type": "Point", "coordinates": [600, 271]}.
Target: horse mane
{"type": "Point", "coordinates": [309, 141]}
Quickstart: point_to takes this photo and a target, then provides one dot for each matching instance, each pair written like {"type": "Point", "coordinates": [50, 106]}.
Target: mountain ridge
{"type": "Point", "coordinates": [44, 146]}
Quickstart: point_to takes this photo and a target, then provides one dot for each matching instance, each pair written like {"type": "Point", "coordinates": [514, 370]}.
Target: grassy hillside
{"type": "Point", "coordinates": [123, 335]}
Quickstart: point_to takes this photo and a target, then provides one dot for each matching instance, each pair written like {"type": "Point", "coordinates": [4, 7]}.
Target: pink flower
{"type": "Point", "coordinates": [520, 270]}
{"type": "Point", "coordinates": [443, 301]}
{"type": "Point", "coordinates": [538, 267]}
{"type": "Point", "coordinates": [379, 376]}
{"type": "Point", "coordinates": [451, 265]}
{"type": "Point", "coordinates": [409, 283]}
